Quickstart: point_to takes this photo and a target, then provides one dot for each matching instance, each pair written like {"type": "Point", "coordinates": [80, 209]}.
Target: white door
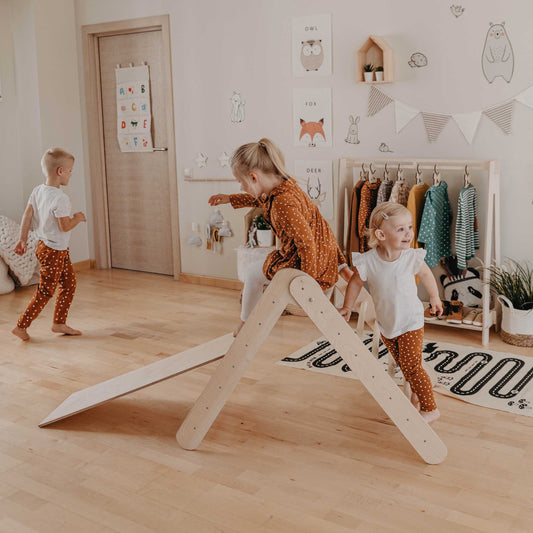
{"type": "Point", "coordinates": [138, 191]}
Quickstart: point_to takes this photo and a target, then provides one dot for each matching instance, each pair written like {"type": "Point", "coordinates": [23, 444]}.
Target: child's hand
{"type": "Point", "coordinates": [79, 217]}
{"type": "Point", "coordinates": [21, 248]}
{"type": "Point", "coordinates": [219, 199]}
{"type": "Point", "coordinates": [345, 313]}
{"type": "Point", "coordinates": [436, 306]}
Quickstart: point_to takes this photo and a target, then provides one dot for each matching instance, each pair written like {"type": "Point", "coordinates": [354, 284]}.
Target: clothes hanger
{"type": "Point", "coordinates": [466, 177]}
{"type": "Point", "coordinates": [418, 177]}
{"type": "Point", "coordinates": [400, 174]}
{"type": "Point", "coordinates": [436, 175]}
{"type": "Point", "coordinates": [386, 173]}
{"type": "Point", "coordinates": [372, 178]}
{"type": "Point", "coordinates": [364, 172]}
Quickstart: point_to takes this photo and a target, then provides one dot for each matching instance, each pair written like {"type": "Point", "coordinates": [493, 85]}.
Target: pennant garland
{"type": "Point", "coordinates": [501, 115]}
{"type": "Point", "coordinates": [377, 101]}
{"type": "Point", "coordinates": [434, 124]}
{"type": "Point", "coordinates": [404, 114]}
{"type": "Point", "coordinates": [468, 123]}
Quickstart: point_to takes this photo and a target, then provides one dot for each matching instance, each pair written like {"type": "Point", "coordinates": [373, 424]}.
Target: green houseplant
{"type": "Point", "coordinates": [368, 71]}
{"type": "Point", "coordinates": [379, 73]}
{"type": "Point", "coordinates": [264, 231]}
{"type": "Point", "coordinates": [513, 284]}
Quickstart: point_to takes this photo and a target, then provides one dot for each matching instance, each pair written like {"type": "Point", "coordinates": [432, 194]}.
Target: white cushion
{"type": "Point", "coordinates": [21, 266]}
{"type": "Point", "coordinates": [6, 283]}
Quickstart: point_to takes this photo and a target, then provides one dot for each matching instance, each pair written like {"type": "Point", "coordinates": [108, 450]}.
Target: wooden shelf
{"type": "Point", "coordinates": [209, 179]}
{"type": "Point", "coordinates": [378, 53]}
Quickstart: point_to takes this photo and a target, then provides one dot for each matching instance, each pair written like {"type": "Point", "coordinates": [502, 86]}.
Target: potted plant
{"type": "Point", "coordinates": [379, 73]}
{"type": "Point", "coordinates": [264, 231]}
{"type": "Point", "coordinates": [513, 284]}
{"type": "Point", "coordinates": [368, 71]}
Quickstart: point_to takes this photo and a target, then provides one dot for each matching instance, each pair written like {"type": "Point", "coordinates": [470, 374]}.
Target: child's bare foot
{"type": "Point", "coordinates": [430, 416]}
{"type": "Point", "coordinates": [66, 330]}
{"type": "Point", "coordinates": [415, 401]}
{"type": "Point", "coordinates": [20, 333]}
{"type": "Point", "coordinates": [238, 328]}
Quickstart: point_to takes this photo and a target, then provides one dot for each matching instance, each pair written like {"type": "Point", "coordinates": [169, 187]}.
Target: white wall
{"type": "Point", "coordinates": [41, 108]}
{"type": "Point", "coordinates": [245, 46]}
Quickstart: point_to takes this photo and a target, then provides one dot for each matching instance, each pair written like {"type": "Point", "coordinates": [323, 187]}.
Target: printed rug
{"type": "Point", "coordinates": [475, 375]}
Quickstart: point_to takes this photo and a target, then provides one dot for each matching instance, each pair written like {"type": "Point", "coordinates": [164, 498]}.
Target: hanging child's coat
{"type": "Point", "coordinates": [369, 196]}
{"type": "Point", "coordinates": [434, 230]}
{"type": "Point", "coordinates": [466, 229]}
{"type": "Point", "coordinates": [415, 204]}
{"type": "Point", "coordinates": [352, 244]}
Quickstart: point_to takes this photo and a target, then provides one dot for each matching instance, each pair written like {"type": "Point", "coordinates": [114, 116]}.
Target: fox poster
{"type": "Point", "coordinates": [312, 117]}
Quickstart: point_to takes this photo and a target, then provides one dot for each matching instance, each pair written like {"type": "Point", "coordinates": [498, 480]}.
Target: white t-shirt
{"type": "Point", "coordinates": [393, 289]}
{"type": "Point", "coordinates": [50, 203]}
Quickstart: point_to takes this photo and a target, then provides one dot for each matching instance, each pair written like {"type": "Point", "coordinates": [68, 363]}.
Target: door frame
{"type": "Point", "coordinates": [91, 59]}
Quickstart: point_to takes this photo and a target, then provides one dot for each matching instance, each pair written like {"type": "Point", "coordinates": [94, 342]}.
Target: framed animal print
{"type": "Point", "coordinates": [312, 117]}
{"type": "Point", "coordinates": [316, 179]}
{"type": "Point", "coordinates": [311, 45]}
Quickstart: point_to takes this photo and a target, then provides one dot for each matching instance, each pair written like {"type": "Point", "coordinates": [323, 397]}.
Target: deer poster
{"type": "Point", "coordinates": [312, 117]}
{"type": "Point", "coordinates": [316, 179]}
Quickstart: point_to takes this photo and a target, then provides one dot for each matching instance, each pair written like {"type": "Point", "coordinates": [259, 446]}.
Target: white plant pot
{"type": "Point", "coordinates": [515, 321]}
{"type": "Point", "coordinates": [369, 76]}
{"type": "Point", "coordinates": [264, 237]}
{"type": "Point", "coordinates": [379, 75]}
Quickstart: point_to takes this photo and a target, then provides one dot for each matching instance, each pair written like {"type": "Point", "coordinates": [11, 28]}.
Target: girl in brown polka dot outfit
{"type": "Point", "coordinates": [307, 241]}
{"type": "Point", "coordinates": [49, 208]}
{"type": "Point", "coordinates": [389, 269]}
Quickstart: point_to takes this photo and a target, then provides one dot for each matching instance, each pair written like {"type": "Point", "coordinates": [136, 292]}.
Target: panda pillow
{"type": "Point", "coordinates": [467, 289]}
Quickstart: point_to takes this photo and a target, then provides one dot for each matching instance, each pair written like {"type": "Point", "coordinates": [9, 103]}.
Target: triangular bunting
{"type": "Point", "coordinates": [468, 123]}
{"type": "Point", "coordinates": [434, 124]}
{"type": "Point", "coordinates": [502, 116]}
{"type": "Point", "coordinates": [377, 101]}
{"type": "Point", "coordinates": [526, 97]}
{"type": "Point", "coordinates": [404, 114]}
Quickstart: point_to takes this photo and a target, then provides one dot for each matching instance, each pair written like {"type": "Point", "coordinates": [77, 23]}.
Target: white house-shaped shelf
{"type": "Point", "coordinates": [377, 52]}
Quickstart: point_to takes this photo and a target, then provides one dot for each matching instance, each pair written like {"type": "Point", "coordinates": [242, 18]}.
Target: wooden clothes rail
{"type": "Point", "coordinates": [484, 175]}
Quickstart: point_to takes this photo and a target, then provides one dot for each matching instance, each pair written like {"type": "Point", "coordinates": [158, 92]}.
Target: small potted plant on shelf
{"type": "Point", "coordinates": [379, 73]}
{"type": "Point", "coordinates": [264, 231]}
{"type": "Point", "coordinates": [513, 284]}
{"type": "Point", "coordinates": [368, 71]}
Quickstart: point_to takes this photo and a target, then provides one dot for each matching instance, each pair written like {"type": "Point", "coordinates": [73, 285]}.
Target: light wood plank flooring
{"type": "Point", "coordinates": [291, 452]}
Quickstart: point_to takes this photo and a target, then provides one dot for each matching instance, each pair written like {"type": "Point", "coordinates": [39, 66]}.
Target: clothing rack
{"type": "Point", "coordinates": [483, 174]}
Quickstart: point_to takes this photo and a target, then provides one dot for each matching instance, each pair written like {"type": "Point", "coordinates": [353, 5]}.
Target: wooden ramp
{"type": "Point", "coordinates": [140, 378]}
{"type": "Point", "coordinates": [288, 286]}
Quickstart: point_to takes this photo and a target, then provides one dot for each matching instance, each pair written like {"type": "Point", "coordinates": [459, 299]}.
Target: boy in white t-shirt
{"type": "Point", "coordinates": [389, 269]}
{"type": "Point", "coordinates": [49, 209]}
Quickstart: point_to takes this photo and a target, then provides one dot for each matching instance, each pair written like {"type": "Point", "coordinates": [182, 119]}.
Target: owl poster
{"type": "Point", "coordinates": [311, 45]}
{"type": "Point", "coordinates": [316, 179]}
{"type": "Point", "coordinates": [312, 117]}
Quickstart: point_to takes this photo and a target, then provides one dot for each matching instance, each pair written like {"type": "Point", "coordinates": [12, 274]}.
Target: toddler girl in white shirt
{"type": "Point", "coordinates": [389, 270]}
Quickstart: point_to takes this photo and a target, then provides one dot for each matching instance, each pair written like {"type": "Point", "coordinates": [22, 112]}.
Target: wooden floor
{"type": "Point", "coordinates": [291, 452]}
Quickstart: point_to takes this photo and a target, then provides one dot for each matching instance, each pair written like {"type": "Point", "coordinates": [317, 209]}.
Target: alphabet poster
{"type": "Point", "coordinates": [134, 115]}
{"type": "Point", "coordinates": [316, 179]}
{"type": "Point", "coordinates": [311, 45]}
{"type": "Point", "coordinates": [312, 117]}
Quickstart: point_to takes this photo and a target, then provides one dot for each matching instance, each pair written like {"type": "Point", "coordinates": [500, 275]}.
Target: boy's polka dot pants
{"type": "Point", "coordinates": [406, 349]}
{"type": "Point", "coordinates": [56, 269]}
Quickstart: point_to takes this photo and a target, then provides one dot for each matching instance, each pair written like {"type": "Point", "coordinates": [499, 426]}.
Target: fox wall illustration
{"type": "Point", "coordinates": [312, 129]}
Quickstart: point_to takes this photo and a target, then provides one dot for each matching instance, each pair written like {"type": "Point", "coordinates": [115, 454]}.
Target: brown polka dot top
{"type": "Point", "coordinates": [308, 243]}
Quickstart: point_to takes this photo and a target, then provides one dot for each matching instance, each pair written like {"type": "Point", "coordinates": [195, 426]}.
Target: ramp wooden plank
{"type": "Point", "coordinates": [140, 378]}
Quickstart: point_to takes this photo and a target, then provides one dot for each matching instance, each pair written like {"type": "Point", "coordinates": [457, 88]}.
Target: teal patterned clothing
{"type": "Point", "coordinates": [466, 230]}
{"type": "Point", "coordinates": [437, 217]}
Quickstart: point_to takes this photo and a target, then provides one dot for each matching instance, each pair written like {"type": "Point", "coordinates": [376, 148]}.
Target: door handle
{"type": "Point", "coordinates": [162, 149]}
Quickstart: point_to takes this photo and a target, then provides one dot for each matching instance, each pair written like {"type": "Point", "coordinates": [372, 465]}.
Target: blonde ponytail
{"type": "Point", "coordinates": [263, 155]}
